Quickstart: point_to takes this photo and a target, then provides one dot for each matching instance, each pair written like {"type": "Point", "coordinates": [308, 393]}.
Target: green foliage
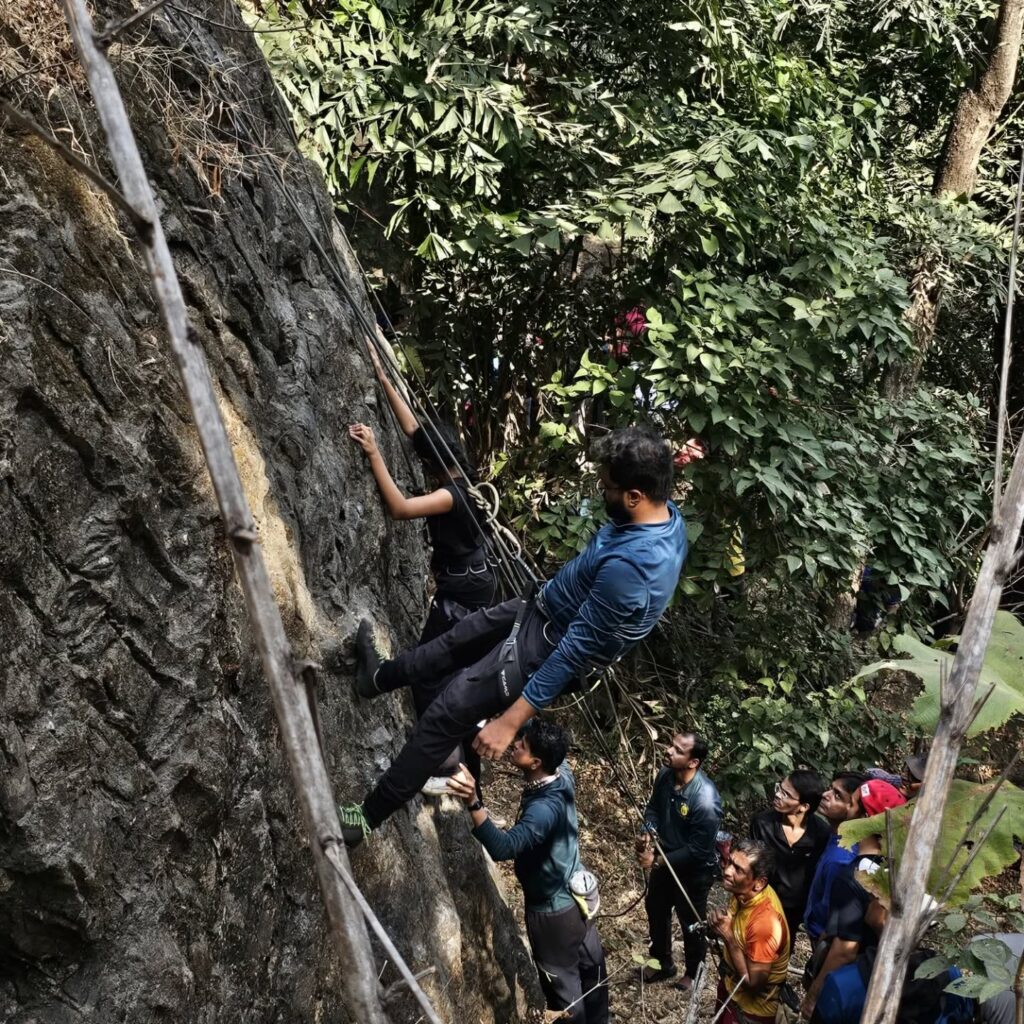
{"type": "Point", "coordinates": [754, 174]}
{"type": "Point", "coordinates": [1002, 671]}
{"type": "Point", "coordinates": [965, 800]}
{"type": "Point", "coordinates": [986, 963]}
{"type": "Point", "coordinates": [773, 727]}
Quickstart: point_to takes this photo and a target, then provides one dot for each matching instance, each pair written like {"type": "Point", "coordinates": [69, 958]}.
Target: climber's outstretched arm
{"type": "Point", "coordinates": [406, 420]}
{"type": "Point", "coordinates": [398, 505]}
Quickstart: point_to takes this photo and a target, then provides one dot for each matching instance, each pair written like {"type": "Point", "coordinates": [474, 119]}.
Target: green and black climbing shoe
{"type": "Point", "coordinates": [368, 658]}
{"type": "Point", "coordinates": [354, 826]}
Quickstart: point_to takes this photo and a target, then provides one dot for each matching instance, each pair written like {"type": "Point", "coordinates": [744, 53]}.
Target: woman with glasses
{"type": "Point", "coordinates": [797, 837]}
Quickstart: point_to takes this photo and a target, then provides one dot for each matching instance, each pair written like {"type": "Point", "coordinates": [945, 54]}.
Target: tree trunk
{"type": "Point", "coordinates": [908, 917]}
{"type": "Point", "coordinates": [976, 114]}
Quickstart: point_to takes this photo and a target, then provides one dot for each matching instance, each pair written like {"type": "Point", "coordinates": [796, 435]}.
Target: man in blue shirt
{"type": "Point", "coordinates": [544, 848]}
{"type": "Point", "coordinates": [512, 660]}
{"type": "Point", "coordinates": [684, 812]}
{"type": "Point", "coordinates": [839, 803]}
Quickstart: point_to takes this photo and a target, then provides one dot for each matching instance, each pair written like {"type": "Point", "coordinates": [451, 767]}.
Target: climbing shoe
{"type": "Point", "coordinates": [368, 658]}
{"type": "Point", "coordinates": [354, 826]}
{"type": "Point", "coordinates": [436, 785]}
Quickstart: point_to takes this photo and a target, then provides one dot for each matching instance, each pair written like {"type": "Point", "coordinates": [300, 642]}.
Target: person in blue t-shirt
{"type": "Point", "coordinates": [514, 659]}
{"type": "Point", "coordinates": [684, 812]}
{"type": "Point", "coordinates": [839, 803]}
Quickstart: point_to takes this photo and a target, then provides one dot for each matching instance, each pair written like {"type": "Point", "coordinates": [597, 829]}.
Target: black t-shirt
{"type": "Point", "coordinates": [456, 536]}
{"type": "Point", "coordinates": [794, 865]}
{"type": "Point", "coordinates": [848, 903]}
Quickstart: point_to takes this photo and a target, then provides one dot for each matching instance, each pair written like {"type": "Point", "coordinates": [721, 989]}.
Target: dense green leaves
{"type": "Point", "coordinates": [753, 175]}
{"type": "Point", "coordinates": [1002, 672]}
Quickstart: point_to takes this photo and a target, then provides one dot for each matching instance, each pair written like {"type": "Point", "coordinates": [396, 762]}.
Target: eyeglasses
{"type": "Point", "coordinates": [781, 790]}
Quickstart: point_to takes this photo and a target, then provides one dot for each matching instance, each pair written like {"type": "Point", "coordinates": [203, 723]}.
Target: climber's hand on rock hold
{"type": "Point", "coordinates": [363, 436]}
{"type": "Point", "coordinates": [462, 785]}
{"type": "Point", "coordinates": [494, 738]}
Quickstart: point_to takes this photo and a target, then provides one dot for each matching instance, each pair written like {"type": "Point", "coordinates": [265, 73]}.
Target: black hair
{"type": "Point", "coordinates": [760, 855]}
{"type": "Point", "coordinates": [850, 781]}
{"type": "Point", "coordinates": [809, 786]}
{"type": "Point", "coordinates": [547, 741]}
{"type": "Point", "coordinates": [699, 750]}
{"type": "Point", "coordinates": [636, 459]}
{"type": "Point", "coordinates": [433, 444]}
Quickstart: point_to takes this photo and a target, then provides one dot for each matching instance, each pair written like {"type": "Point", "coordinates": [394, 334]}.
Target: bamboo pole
{"type": "Point", "coordinates": [910, 916]}
{"type": "Point", "coordinates": [298, 732]}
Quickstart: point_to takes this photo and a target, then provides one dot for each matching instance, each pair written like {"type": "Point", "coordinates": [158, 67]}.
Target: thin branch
{"type": "Point", "coordinates": [978, 846]}
{"type": "Point", "coordinates": [331, 851]}
{"type": "Point", "coordinates": [978, 706]}
{"type": "Point", "coordinates": [1004, 372]}
{"type": "Point", "coordinates": [115, 28]}
{"type": "Point", "coordinates": [977, 817]}
{"type": "Point", "coordinates": [728, 1000]}
{"type": "Point", "coordinates": [142, 226]}
{"type": "Point", "coordinates": [890, 858]}
{"type": "Point", "coordinates": [604, 981]}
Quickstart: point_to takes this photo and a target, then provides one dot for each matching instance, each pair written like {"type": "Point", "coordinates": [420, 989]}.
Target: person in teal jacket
{"type": "Point", "coordinates": [543, 846]}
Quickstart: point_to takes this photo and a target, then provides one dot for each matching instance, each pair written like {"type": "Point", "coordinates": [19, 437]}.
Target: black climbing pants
{"type": "Point", "coordinates": [457, 679]}
{"type": "Point", "coordinates": [663, 898]}
{"type": "Point", "coordinates": [570, 960]}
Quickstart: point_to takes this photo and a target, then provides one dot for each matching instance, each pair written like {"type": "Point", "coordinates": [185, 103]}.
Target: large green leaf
{"type": "Point", "coordinates": [964, 800]}
{"type": "Point", "coordinates": [1003, 669]}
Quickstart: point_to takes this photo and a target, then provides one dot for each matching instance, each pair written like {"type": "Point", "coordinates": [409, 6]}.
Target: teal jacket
{"type": "Point", "coordinates": [543, 843]}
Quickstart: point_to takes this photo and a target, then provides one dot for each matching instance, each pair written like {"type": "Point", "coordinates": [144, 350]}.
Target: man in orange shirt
{"type": "Point", "coordinates": [755, 936]}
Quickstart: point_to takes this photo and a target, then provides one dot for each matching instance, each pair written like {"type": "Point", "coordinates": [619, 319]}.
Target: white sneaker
{"type": "Point", "coordinates": [436, 785]}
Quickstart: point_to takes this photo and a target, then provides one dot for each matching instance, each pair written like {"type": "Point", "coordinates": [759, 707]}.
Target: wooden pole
{"type": "Point", "coordinates": [909, 916]}
{"type": "Point", "coordinates": [298, 733]}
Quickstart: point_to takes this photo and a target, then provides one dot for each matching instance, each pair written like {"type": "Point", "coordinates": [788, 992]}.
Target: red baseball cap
{"type": "Point", "coordinates": [876, 796]}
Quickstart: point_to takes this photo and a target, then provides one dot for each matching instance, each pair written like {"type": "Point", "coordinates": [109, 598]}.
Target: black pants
{"type": "Point", "coordinates": [570, 960]}
{"type": "Point", "coordinates": [445, 611]}
{"type": "Point", "coordinates": [457, 679]}
{"type": "Point", "coordinates": [794, 918]}
{"type": "Point", "coordinates": [663, 897]}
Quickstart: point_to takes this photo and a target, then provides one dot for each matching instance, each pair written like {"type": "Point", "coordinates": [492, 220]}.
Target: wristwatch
{"type": "Point", "coordinates": [476, 805]}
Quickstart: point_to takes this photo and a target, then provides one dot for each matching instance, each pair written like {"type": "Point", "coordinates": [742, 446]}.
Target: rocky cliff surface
{"type": "Point", "coordinates": [151, 863]}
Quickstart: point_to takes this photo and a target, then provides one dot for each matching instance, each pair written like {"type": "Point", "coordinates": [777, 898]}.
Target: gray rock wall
{"type": "Point", "coordinates": [151, 863]}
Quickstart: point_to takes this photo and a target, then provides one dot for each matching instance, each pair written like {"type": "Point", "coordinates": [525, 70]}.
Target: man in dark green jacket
{"type": "Point", "coordinates": [544, 847]}
{"type": "Point", "coordinates": [684, 812]}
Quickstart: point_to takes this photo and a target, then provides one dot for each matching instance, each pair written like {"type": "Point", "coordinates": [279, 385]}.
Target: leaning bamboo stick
{"type": "Point", "coordinates": [910, 915]}
{"type": "Point", "coordinates": [298, 732]}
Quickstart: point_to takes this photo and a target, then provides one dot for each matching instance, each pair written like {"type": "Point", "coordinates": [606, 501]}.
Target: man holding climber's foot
{"type": "Point", "coordinates": [515, 658]}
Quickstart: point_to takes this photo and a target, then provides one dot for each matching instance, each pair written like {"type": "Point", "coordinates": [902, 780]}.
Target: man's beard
{"type": "Point", "coordinates": [616, 511]}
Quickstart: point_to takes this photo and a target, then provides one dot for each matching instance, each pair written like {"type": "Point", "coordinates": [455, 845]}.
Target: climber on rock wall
{"type": "Point", "coordinates": [512, 660]}
{"type": "Point", "coordinates": [464, 579]}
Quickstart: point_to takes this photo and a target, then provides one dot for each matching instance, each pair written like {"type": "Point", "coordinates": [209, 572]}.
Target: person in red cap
{"type": "Point", "coordinates": [847, 932]}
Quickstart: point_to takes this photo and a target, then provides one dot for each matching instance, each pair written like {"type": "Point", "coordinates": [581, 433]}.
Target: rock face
{"type": "Point", "coordinates": [151, 863]}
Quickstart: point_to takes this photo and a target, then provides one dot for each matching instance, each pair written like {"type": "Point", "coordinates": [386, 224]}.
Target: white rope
{"type": "Point", "coordinates": [489, 503]}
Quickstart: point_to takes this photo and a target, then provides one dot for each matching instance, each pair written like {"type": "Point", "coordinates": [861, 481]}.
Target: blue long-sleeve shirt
{"type": "Point", "coordinates": [833, 862]}
{"type": "Point", "coordinates": [608, 598]}
{"type": "Point", "coordinates": [543, 843]}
